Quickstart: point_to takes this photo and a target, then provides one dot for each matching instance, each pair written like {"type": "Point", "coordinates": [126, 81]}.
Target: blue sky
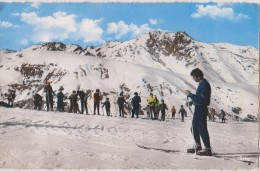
{"type": "Point", "coordinates": [24, 24]}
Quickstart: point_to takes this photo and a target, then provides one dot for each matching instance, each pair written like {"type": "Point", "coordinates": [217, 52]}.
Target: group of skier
{"type": "Point", "coordinates": [213, 113]}
{"type": "Point", "coordinates": [10, 96]}
{"type": "Point", "coordinates": [201, 100]}
{"type": "Point", "coordinates": [154, 107]}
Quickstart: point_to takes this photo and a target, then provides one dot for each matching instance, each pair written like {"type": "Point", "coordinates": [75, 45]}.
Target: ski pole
{"type": "Point", "coordinates": [192, 132]}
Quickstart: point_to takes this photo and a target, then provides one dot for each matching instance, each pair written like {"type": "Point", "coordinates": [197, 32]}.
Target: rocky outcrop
{"type": "Point", "coordinates": [179, 44]}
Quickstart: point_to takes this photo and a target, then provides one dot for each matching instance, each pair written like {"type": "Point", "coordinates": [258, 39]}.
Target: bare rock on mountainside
{"type": "Point", "coordinates": [170, 45]}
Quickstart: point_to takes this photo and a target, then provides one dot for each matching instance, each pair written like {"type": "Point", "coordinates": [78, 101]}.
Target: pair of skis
{"type": "Point", "coordinates": [241, 156]}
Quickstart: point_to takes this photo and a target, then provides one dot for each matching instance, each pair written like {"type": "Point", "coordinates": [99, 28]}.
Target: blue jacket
{"type": "Point", "coordinates": [60, 96]}
{"type": "Point", "coordinates": [135, 101]}
{"type": "Point", "coordinates": [201, 99]}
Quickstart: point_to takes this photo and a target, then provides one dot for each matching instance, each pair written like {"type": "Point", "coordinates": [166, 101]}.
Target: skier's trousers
{"type": "Point", "coordinates": [199, 126]}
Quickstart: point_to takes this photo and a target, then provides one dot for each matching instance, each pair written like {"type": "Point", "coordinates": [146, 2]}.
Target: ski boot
{"type": "Point", "coordinates": [194, 149]}
{"type": "Point", "coordinates": [204, 152]}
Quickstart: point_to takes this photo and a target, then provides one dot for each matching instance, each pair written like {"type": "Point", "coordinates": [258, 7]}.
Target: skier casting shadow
{"type": "Point", "coordinates": [201, 100]}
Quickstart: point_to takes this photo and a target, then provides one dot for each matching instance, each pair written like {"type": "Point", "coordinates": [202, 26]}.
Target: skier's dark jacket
{"type": "Point", "coordinates": [121, 101]}
{"type": "Point", "coordinates": [182, 111]}
{"type": "Point", "coordinates": [135, 101]}
{"type": "Point", "coordinates": [201, 99]}
{"type": "Point", "coordinates": [163, 106]}
{"type": "Point", "coordinates": [37, 98]}
{"type": "Point", "coordinates": [60, 96]}
{"type": "Point", "coordinates": [81, 94]}
{"type": "Point", "coordinates": [73, 99]}
{"type": "Point", "coordinates": [48, 89]}
{"type": "Point", "coordinates": [107, 104]}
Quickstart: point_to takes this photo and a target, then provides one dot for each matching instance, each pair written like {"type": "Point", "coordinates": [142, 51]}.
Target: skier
{"type": "Point", "coordinates": [212, 113]}
{"type": "Point", "coordinates": [60, 97]}
{"type": "Point", "coordinates": [37, 102]}
{"type": "Point", "coordinates": [11, 97]}
{"type": "Point", "coordinates": [173, 110]}
{"type": "Point", "coordinates": [157, 107]}
{"type": "Point", "coordinates": [97, 98]}
{"type": "Point", "coordinates": [81, 95]}
{"type": "Point", "coordinates": [74, 102]}
{"type": "Point", "coordinates": [136, 100]}
{"type": "Point", "coordinates": [121, 101]}
{"type": "Point", "coordinates": [163, 106]}
{"type": "Point", "coordinates": [183, 112]}
{"type": "Point", "coordinates": [3, 100]}
{"type": "Point", "coordinates": [49, 95]}
{"type": "Point", "coordinates": [201, 100]}
{"type": "Point", "coordinates": [223, 114]}
{"type": "Point", "coordinates": [151, 102]}
{"type": "Point", "coordinates": [107, 106]}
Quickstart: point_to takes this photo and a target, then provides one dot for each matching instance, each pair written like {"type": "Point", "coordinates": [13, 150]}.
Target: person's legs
{"type": "Point", "coordinates": [95, 107]}
{"type": "Point", "coordinates": [196, 136]}
{"type": "Point", "coordinates": [195, 131]}
{"type": "Point", "coordinates": [51, 101]}
{"type": "Point", "coordinates": [182, 117]}
{"type": "Point", "coordinates": [98, 104]}
{"type": "Point", "coordinates": [150, 111]}
{"type": "Point", "coordinates": [82, 105]}
{"type": "Point", "coordinates": [120, 110]}
{"type": "Point", "coordinates": [123, 111]}
{"type": "Point", "coordinates": [108, 109]}
{"type": "Point", "coordinates": [133, 112]}
{"type": "Point", "coordinates": [86, 107]}
{"type": "Point", "coordinates": [47, 102]}
{"type": "Point", "coordinates": [137, 111]}
{"type": "Point", "coordinates": [203, 130]}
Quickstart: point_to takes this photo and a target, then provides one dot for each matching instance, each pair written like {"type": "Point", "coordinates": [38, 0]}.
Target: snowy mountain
{"type": "Point", "coordinates": [155, 62]}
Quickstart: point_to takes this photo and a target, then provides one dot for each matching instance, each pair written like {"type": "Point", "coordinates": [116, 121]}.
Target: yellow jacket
{"type": "Point", "coordinates": [151, 101]}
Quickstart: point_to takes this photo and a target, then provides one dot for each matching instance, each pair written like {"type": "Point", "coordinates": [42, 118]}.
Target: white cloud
{"type": "Point", "coordinates": [36, 4]}
{"type": "Point", "coordinates": [90, 31]}
{"type": "Point", "coordinates": [217, 11]}
{"type": "Point", "coordinates": [121, 29]}
{"type": "Point", "coordinates": [61, 26]}
{"type": "Point", "coordinates": [153, 21]}
{"type": "Point", "coordinates": [6, 24]}
{"type": "Point", "coordinates": [139, 30]}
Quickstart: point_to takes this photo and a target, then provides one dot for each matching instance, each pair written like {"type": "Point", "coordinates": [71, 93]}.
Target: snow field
{"type": "Point", "coordinates": [51, 140]}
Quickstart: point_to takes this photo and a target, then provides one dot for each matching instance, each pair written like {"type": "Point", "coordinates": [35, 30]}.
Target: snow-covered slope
{"type": "Point", "coordinates": [50, 140]}
{"type": "Point", "coordinates": [154, 62]}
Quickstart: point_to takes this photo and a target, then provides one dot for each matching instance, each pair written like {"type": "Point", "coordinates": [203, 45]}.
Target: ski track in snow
{"type": "Point", "coordinates": [51, 140]}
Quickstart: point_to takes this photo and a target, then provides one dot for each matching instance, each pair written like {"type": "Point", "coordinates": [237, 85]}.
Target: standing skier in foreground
{"type": "Point", "coordinates": [201, 100]}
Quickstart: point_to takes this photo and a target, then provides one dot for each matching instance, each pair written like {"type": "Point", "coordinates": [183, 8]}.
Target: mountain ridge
{"type": "Point", "coordinates": [156, 62]}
